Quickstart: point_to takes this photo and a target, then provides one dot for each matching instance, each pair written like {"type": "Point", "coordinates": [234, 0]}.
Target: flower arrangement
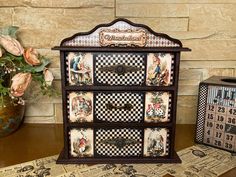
{"type": "Point", "coordinates": [19, 67]}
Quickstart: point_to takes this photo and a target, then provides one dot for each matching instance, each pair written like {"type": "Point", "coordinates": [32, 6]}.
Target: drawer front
{"type": "Point", "coordinates": [119, 107]}
{"type": "Point", "coordinates": [120, 68]}
{"type": "Point", "coordinates": [125, 142]}
{"type": "Point", "coordinates": [119, 142]}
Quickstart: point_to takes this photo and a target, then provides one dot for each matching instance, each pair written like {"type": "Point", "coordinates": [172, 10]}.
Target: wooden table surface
{"type": "Point", "coordinates": [33, 141]}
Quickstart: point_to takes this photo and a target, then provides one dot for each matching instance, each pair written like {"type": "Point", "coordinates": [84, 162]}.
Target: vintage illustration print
{"type": "Point", "coordinates": [157, 106]}
{"type": "Point", "coordinates": [80, 68]}
{"type": "Point", "coordinates": [155, 142]}
{"type": "Point", "coordinates": [81, 107]}
{"type": "Point", "coordinates": [81, 142]}
{"type": "Point", "coordinates": [158, 69]}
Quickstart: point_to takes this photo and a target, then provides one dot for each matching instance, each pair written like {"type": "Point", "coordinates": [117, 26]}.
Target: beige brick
{"type": "Point", "coordinates": [212, 17]}
{"type": "Point", "coordinates": [52, 19]}
{"type": "Point", "coordinates": [207, 64]}
{"type": "Point", "coordinates": [33, 94]}
{"type": "Point", "coordinates": [163, 24]}
{"type": "Point", "coordinates": [57, 3]}
{"type": "Point", "coordinates": [176, 1]}
{"type": "Point", "coordinates": [56, 73]}
{"type": "Point", "coordinates": [202, 74]}
{"type": "Point", "coordinates": [144, 9]}
{"type": "Point", "coordinates": [188, 87]}
{"type": "Point", "coordinates": [39, 109]}
{"type": "Point", "coordinates": [212, 1]}
{"type": "Point", "coordinates": [220, 72]}
{"type": "Point", "coordinates": [53, 55]}
{"type": "Point", "coordinates": [6, 17]}
{"type": "Point", "coordinates": [58, 113]}
{"type": "Point", "coordinates": [210, 50]}
{"type": "Point", "coordinates": [187, 109]}
{"type": "Point", "coordinates": [191, 74]}
{"type": "Point", "coordinates": [43, 39]}
{"type": "Point", "coordinates": [12, 3]}
{"type": "Point", "coordinates": [202, 35]}
{"type": "Point", "coordinates": [30, 119]}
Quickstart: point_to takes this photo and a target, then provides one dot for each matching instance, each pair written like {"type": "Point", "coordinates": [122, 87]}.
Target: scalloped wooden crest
{"type": "Point", "coordinates": [121, 33]}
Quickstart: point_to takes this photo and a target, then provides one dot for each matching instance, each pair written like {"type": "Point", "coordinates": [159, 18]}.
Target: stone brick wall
{"type": "Point", "coordinates": [208, 27]}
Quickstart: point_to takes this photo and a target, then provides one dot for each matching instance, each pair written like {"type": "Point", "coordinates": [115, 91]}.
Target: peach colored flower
{"type": "Point", "coordinates": [48, 76]}
{"type": "Point", "coordinates": [11, 45]}
{"type": "Point", "coordinates": [20, 83]}
{"type": "Point", "coordinates": [1, 52]}
{"type": "Point", "coordinates": [31, 56]}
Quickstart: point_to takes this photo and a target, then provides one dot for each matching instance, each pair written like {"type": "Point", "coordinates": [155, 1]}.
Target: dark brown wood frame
{"type": "Point", "coordinates": [172, 157]}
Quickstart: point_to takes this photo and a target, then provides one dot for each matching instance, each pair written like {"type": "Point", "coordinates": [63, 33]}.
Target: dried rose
{"type": "Point", "coordinates": [1, 52]}
{"type": "Point", "coordinates": [48, 76]}
{"type": "Point", "coordinates": [20, 83]}
{"type": "Point", "coordinates": [31, 56]}
{"type": "Point", "coordinates": [11, 45]}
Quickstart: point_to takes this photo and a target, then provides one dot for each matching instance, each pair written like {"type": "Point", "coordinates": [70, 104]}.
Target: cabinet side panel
{"type": "Point", "coordinates": [201, 112]}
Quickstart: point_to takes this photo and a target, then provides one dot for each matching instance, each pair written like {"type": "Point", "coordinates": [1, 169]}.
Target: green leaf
{"type": "Point", "coordinates": [41, 67]}
{"type": "Point", "coordinates": [35, 69]}
{"type": "Point", "coordinates": [10, 30]}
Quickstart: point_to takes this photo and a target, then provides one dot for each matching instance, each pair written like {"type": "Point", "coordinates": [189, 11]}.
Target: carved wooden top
{"type": "Point", "coordinates": [121, 33]}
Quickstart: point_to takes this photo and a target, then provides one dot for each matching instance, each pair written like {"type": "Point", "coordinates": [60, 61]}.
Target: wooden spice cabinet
{"type": "Point", "coordinates": [119, 91]}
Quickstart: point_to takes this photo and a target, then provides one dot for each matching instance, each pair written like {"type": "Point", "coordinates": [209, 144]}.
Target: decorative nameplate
{"type": "Point", "coordinates": [118, 37]}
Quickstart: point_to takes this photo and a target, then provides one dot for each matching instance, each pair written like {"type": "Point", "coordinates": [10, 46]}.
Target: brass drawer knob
{"type": "Point", "coordinates": [126, 106]}
{"type": "Point", "coordinates": [120, 142]}
{"type": "Point", "coordinates": [120, 69]}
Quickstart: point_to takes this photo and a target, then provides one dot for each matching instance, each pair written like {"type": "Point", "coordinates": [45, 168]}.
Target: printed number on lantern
{"type": "Point", "coordinates": [231, 120]}
{"type": "Point", "coordinates": [219, 126]}
{"type": "Point", "coordinates": [220, 118]}
{"type": "Point", "coordinates": [229, 137]}
{"type": "Point", "coordinates": [209, 124]}
{"type": "Point", "coordinates": [218, 143]}
{"type": "Point", "coordinates": [211, 107]}
{"type": "Point", "coordinates": [218, 134]}
{"type": "Point", "coordinates": [232, 111]}
{"type": "Point", "coordinates": [208, 132]}
{"type": "Point", "coordinates": [228, 145]}
{"type": "Point", "coordinates": [210, 116]}
{"type": "Point", "coordinates": [221, 109]}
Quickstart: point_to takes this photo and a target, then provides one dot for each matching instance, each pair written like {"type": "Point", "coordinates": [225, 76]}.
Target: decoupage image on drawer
{"type": "Point", "coordinates": [80, 106]}
{"type": "Point", "coordinates": [159, 69]}
{"type": "Point", "coordinates": [155, 142]}
{"type": "Point", "coordinates": [79, 68]}
{"type": "Point", "coordinates": [124, 142]}
{"type": "Point", "coordinates": [120, 68]}
{"type": "Point", "coordinates": [81, 142]}
{"type": "Point", "coordinates": [157, 106]}
{"type": "Point", "coordinates": [119, 106]}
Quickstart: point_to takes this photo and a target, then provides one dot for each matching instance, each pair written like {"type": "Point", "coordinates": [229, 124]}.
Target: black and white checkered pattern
{"type": "Point", "coordinates": [102, 149]}
{"type": "Point", "coordinates": [201, 112]}
{"type": "Point", "coordinates": [118, 99]}
{"type": "Point", "coordinates": [111, 59]}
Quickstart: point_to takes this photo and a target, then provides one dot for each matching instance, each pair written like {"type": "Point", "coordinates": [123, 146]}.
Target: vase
{"type": "Point", "coordinates": [11, 116]}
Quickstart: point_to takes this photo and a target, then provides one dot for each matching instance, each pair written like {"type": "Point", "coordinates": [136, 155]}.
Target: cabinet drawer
{"type": "Point", "coordinates": [119, 107]}
{"type": "Point", "coordinates": [119, 69]}
{"type": "Point", "coordinates": [125, 142]}
{"type": "Point", "coordinates": [119, 142]}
